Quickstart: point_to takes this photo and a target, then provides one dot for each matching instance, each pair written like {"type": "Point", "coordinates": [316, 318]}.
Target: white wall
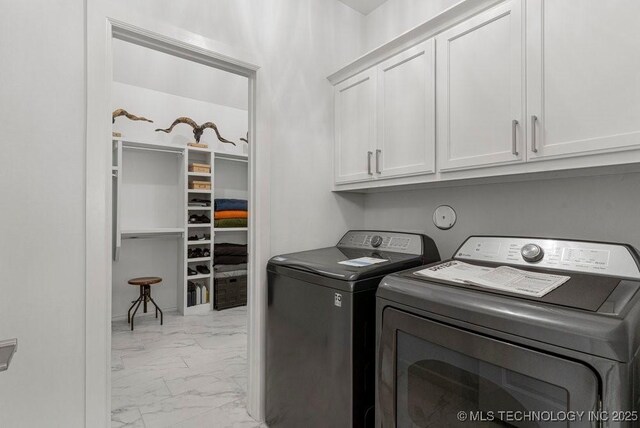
{"type": "Point", "coordinates": [164, 108]}
{"type": "Point", "coordinates": [147, 68]}
{"type": "Point", "coordinates": [42, 118]}
{"type": "Point", "coordinates": [394, 17]}
{"type": "Point", "coordinates": [602, 208]}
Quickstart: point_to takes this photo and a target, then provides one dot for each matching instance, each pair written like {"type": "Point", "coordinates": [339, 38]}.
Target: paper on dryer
{"type": "Point", "coordinates": [503, 278]}
{"type": "Point", "coordinates": [362, 261]}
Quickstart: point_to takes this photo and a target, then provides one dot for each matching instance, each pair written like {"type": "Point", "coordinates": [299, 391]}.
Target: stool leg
{"type": "Point", "coordinates": [157, 309]}
{"type": "Point", "coordinates": [129, 312]}
{"type": "Point", "coordinates": [145, 292]}
{"type": "Point", "coordinates": [134, 312]}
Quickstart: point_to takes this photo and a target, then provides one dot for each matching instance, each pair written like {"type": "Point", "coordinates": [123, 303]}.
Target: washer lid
{"type": "Point", "coordinates": [326, 262]}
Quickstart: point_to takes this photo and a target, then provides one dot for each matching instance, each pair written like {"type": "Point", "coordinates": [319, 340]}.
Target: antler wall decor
{"type": "Point", "coordinates": [197, 129]}
{"type": "Point", "coordinates": [121, 112]}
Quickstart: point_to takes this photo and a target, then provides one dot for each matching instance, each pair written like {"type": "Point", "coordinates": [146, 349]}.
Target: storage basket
{"type": "Point", "coordinates": [199, 167]}
{"type": "Point", "coordinates": [230, 292]}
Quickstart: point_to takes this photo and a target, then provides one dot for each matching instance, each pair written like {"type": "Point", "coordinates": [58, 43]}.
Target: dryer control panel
{"type": "Point", "coordinates": [398, 242]}
{"type": "Point", "coordinates": [558, 254]}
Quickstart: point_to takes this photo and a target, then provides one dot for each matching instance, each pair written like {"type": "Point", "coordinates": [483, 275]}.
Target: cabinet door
{"type": "Point", "coordinates": [355, 130]}
{"type": "Point", "coordinates": [583, 84]}
{"type": "Point", "coordinates": [480, 86]}
{"type": "Point", "coordinates": [406, 113]}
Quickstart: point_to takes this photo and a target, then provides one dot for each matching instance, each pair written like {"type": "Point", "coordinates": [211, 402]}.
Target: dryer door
{"type": "Point", "coordinates": [434, 375]}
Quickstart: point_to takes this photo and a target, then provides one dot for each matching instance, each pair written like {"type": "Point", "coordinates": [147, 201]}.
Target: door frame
{"type": "Point", "coordinates": [106, 21]}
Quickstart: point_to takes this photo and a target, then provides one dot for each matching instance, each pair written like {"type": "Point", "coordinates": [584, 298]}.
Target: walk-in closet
{"type": "Point", "coordinates": [180, 191]}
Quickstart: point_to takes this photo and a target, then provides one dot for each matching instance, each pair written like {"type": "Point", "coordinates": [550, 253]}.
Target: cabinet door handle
{"type": "Point", "coordinates": [534, 119]}
{"type": "Point", "coordinates": [514, 137]}
{"type": "Point", "coordinates": [369, 154]}
{"type": "Point", "coordinates": [378, 152]}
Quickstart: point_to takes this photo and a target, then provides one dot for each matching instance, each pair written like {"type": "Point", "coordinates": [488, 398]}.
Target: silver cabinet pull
{"type": "Point", "coordinates": [534, 119]}
{"type": "Point", "coordinates": [369, 154]}
{"type": "Point", "coordinates": [514, 137]}
{"type": "Point", "coordinates": [378, 152]}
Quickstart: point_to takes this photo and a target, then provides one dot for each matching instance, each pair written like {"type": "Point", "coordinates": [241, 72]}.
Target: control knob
{"type": "Point", "coordinates": [376, 241]}
{"type": "Point", "coordinates": [532, 253]}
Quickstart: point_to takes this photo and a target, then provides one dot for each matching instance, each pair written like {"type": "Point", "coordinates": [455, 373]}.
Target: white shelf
{"type": "Point", "coordinates": [199, 276]}
{"type": "Point", "coordinates": [200, 225]}
{"type": "Point", "coordinates": [230, 229]}
{"type": "Point", "coordinates": [199, 190]}
{"type": "Point", "coordinates": [237, 157]}
{"type": "Point", "coordinates": [150, 145]}
{"type": "Point", "coordinates": [199, 149]}
{"type": "Point", "coordinates": [199, 259]}
{"type": "Point", "coordinates": [205, 242]}
{"type": "Point", "coordinates": [199, 208]}
{"type": "Point", "coordinates": [199, 174]}
{"type": "Point", "coordinates": [131, 233]}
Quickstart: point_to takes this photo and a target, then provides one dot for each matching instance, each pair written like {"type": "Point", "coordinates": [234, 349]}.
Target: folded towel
{"type": "Point", "coordinates": [230, 204]}
{"type": "Point", "coordinates": [230, 274]}
{"type": "Point", "coordinates": [230, 222]}
{"type": "Point", "coordinates": [231, 214]}
{"type": "Point", "coordinates": [229, 249]}
{"type": "Point", "coordinates": [229, 260]}
{"type": "Point", "coordinates": [229, 268]}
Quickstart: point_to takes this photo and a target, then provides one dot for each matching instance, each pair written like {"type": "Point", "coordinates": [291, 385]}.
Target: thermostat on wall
{"type": "Point", "coordinates": [444, 217]}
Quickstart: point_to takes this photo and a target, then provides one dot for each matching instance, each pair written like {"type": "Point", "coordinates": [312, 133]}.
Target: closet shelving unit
{"type": "Point", "coordinates": [185, 230]}
{"type": "Point", "coordinates": [203, 281]}
{"type": "Point", "coordinates": [120, 145]}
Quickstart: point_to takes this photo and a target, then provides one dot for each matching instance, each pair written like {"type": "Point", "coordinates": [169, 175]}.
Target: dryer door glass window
{"type": "Point", "coordinates": [435, 384]}
{"type": "Point", "coordinates": [434, 375]}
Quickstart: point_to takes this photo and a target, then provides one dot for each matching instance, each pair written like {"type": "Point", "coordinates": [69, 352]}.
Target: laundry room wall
{"type": "Point", "coordinates": [600, 208]}
{"type": "Point", "coordinates": [42, 169]}
{"type": "Point", "coordinates": [394, 17]}
{"type": "Point", "coordinates": [42, 123]}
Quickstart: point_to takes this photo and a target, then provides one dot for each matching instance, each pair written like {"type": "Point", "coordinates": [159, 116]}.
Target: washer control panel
{"type": "Point", "coordinates": [398, 242]}
{"type": "Point", "coordinates": [557, 254]}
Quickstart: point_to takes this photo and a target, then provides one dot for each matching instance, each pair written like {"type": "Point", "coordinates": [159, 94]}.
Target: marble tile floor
{"type": "Point", "coordinates": [189, 373]}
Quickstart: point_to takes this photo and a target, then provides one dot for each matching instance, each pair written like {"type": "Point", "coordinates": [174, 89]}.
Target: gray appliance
{"type": "Point", "coordinates": [320, 358]}
{"type": "Point", "coordinates": [446, 347]}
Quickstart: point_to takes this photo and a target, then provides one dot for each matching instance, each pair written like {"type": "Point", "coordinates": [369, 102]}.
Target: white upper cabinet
{"type": "Point", "coordinates": [583, 84]}
{"type": "Point", "coordinates": [480, 90]}
{"type": "Point", "coordinates": [355, 127]}
{"type": "Point", "coordinates": [493, 88]}
{"type": "Point", "coordinates": [406, 113]}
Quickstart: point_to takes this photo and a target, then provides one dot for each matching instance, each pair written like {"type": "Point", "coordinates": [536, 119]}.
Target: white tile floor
{"type": "Point", "coordinates": [189, 373]}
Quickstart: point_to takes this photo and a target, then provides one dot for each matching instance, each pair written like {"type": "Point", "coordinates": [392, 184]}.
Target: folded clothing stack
{"type": "Point", "coordinates": [230, 213]}
{"type": "Point", "coordinates": [229, 260]}
{"type": "Point", "coordinates": [230, 275]}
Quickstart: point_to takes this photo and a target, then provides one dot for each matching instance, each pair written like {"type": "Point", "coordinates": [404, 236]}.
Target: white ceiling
{"type": "Point", "coordinates": [363, 6]}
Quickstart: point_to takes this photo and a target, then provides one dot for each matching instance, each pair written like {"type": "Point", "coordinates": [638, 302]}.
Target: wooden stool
{"type": "Point", "coordinates": [145, 284]}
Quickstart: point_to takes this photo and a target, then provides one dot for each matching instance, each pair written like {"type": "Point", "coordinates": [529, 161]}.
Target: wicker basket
{"type": "Point", "coordinates": [230, 292]}
{"type": "Point", "coordinates": [199, 167]}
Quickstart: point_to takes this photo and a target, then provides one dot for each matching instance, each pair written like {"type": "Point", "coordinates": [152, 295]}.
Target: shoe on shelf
{"type": "Point", "coordinates": [206, 252]}
{"type": "Point", "coordinates": [203, 269]}
{"type": "Point", "coordinates": [191, 272]}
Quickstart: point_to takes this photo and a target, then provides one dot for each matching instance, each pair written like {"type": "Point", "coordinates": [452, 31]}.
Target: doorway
{"type": "Point", "coordinates": [241, 325]}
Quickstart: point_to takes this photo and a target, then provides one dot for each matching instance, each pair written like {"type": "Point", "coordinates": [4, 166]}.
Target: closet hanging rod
{"type": "Point", "coordinates": [177, 152]}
